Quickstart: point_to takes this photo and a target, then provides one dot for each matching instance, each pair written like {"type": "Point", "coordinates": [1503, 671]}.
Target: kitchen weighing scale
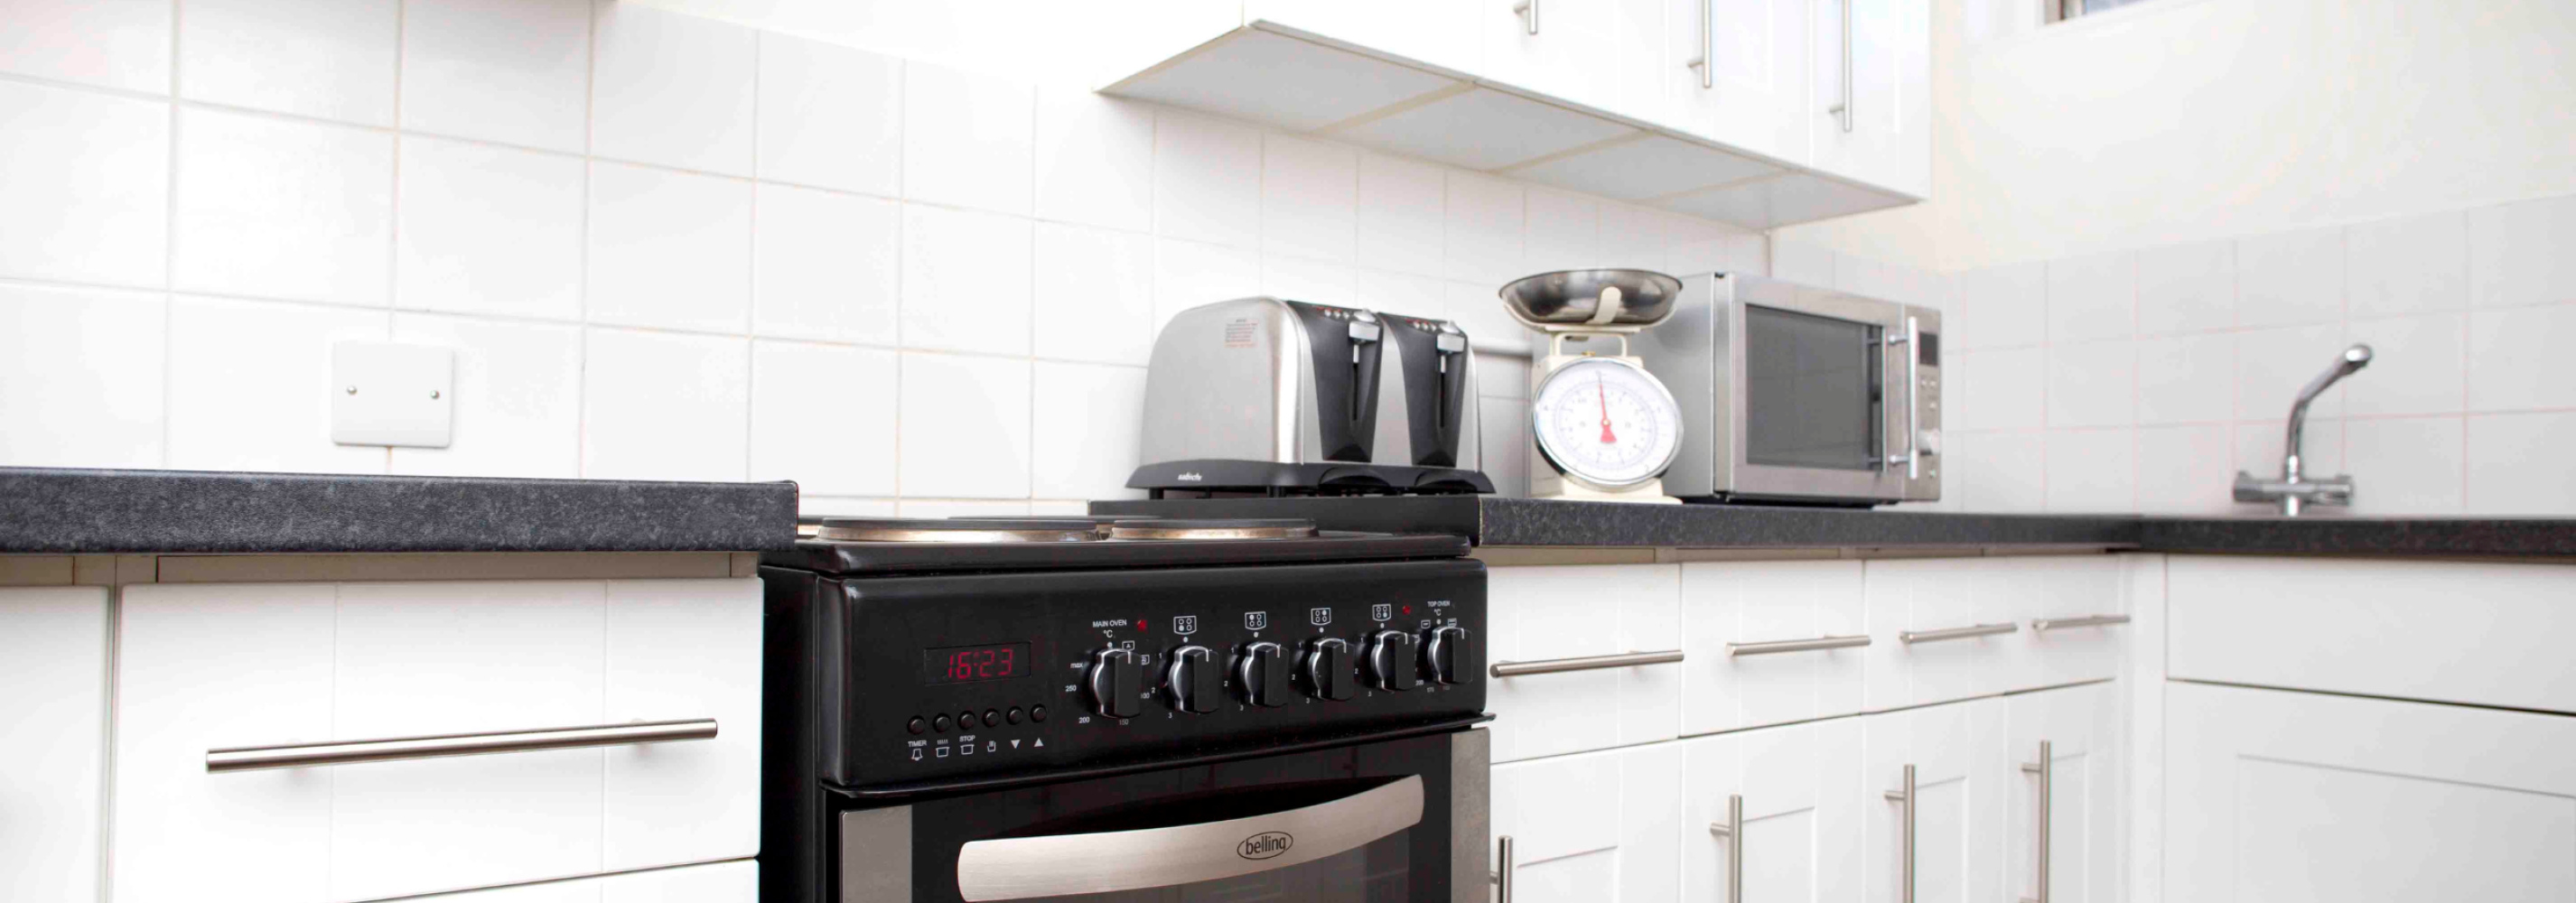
{"type": "Point", "coordinates": [1606, 429]}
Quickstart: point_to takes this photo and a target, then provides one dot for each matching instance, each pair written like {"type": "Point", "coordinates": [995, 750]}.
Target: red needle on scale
{"type": "Point", "coordinates": [1606, 435]}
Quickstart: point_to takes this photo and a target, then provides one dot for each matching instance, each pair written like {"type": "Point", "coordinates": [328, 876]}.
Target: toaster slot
{"type": "Point", "coordinates": [1346, 346]}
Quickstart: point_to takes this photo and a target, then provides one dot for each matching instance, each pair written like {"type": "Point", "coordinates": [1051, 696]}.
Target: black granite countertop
{"type": "Point", "coordinates": [1494, 521]}
{"type": "Point", "coordinates": [61, 511]}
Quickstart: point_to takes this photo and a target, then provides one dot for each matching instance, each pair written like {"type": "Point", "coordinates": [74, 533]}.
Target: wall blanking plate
{"type": "Point", "coordinates": [384, 393]}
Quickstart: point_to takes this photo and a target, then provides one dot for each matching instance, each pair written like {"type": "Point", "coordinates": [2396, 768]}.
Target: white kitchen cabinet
{"type": "Point", "coordinates": [1885, 138]}
{"type": "Point", "coordinates": [2083, 728]}
{"type": "Point", "coordinates": [1565, 57]}
{"type": "Point", "coordinates": [1754, 95]}
{"type": "Point", "coordinates": [1592, 826]}
{"type": "Point", "coordinates": [1442, 33]}
{"type": "Point", "coordinates": [209, 666]}
{"type": "Point", "coordinates": [1928, 597]}
{"type": "Point", "coordinates": [1580, 611]}
{"type": "Point", "coordinates": [53, 731]}
{"type": "Point", "coordinates": [1959, 821]}
{"type": "Point", "coordinates": [724, 882]}
{"type": "Point", "coordinates": [1730, 609]}
{"type": "Point", "coordinates": [1801, 789]}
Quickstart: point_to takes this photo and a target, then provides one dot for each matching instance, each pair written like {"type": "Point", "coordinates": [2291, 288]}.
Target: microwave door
{"type": "Point", "coordinates": [1813, 408]}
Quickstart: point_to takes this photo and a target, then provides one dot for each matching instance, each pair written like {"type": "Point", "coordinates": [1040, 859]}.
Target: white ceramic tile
{"type": "Point", "coordinates": [2272, 365]}
{"type": "Point", "coordinates": [1188, 274]}
{"type": "Point", "coordinates": [2258, 449]}
{"type": "Point", "coordinates": [1564, 231]}
{"type": "Point", "coordinates": [512, 71]}
{"type": "Point", "coordinates": [973, 433]}
{"type": "Point", "coordinates": [123, 44]}
{"type": "Point", "coordinates": [1309, 193]}
{"type": "Point", "coordinates": [518, 397]}
{"type": "Point", "coordinates": [1504, 376]}
{"type": "Point", "coordinates": [329, 59]}
{"type": "Point", "coordinates": [968, 139]}
{"type": "Point", "coordinates": [1059, 507]}
{"type": "Point", "coordinates": [673, 89]}
{"type": "Point", "coordinates": [1400, 215]}
{"type": "Point", "coordinates": [2187, 288]}
{"type": "Point", "coordinates": [2187, 469]}
{"type": "Point", "coordinates": [850, 452]}
{"type": "Point", "coordinates": [1094, 298]}
{"type": "Point", "coordinates": [2518, 253]}
{"type": "Point", "coordinates": [100, 211]}
{"type": "Point", "coordinates": [2512, 355]}
{"type": "Point", "coordinates": [1095, 160]}
{"type": "Point", "coordinates": [1876, 279]}
{"type": "Point", "coordinates": [1478, 310]}
{"type": "Point", "coordinates": [2092, 384]}
{"type": "Point", "coordinates": [1484, 228]}
{"type": "Point", "coordinates": [1503, 425]}
{"type": "Point", "coordinates": [2187, 379]}
{"type": "Point", "coordinates": [1805, 262]}
{"type": "Point", "coordinates": [2406, 465]}
{"type": "Point", "coordinates": [1397, 293]}
{"type": "Point", "coordinates": [1696, 250]}
{"type": "Point", "coordinates": [283, 209]}
{"type": "Point", "coordinates": [1997, 389]}
{"type": "Point", "coordinates": [1089, 427]}
{"type": "Point", "coordinates": [1996, 307]}
{"type": "Point", "coordinates": [2416, 366]}
{"type": "Point", "coordinates": [670, 250]}
{"type": "Point", "coordinates": [940, 508]}
{"type": "Point", "coordinates": [811, 505]}
{"type": "Point", "coordinates": [2413, 264]}
{"type": "Point", "coordinates": [85, 377]}
{"type": "Point", "coordinates": [2516, 467]}
{"type": "Point", "coordinates": [2092, 471]}
{"type": "Point", "coordinates": [1207, 180]}
{"type": "Point", "coordinates": [1643, 238]}
{"type": "Point", "coordinates": [825, 265]}
{"type": "Point", "coordinates": [251, 385]}
{"type": "Point", "coordinates": [1997, 472]}
{"type": "Point", "coordinates": [486, 229]}
{"type": "Point", "coordinates": [1310, 280]}
{"type": "Point", "coordinates": [657, 406]}
{"type": "Point", "coordinates": [966, 280]}
{"type": "Point", "coordinates": [2290, 278]}
{"type": "Point", "coordinates": [2093, 297]}
{"type": "Point", "coordinates": [830, 116]}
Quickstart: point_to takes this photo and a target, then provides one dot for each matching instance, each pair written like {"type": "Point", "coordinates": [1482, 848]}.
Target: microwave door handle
{"type": "Point", "coordinates": [1019, 868]}
{"type": "Point", "coordinates": [1912, 339]}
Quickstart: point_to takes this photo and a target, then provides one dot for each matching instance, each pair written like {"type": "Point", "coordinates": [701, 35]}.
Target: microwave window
{"type": "Point", "coordinates": [1811, 390]}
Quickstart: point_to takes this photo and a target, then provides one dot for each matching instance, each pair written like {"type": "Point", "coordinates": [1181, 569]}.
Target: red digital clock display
{"type": "Point", "coordinates": [960, 664]}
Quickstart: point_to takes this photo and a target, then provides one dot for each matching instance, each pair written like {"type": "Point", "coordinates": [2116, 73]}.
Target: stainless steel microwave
{"type": "Point", "coordinates": [1796, 394]}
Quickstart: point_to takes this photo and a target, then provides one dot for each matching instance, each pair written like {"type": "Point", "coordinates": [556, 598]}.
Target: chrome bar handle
{"type": "Point", "coordinates": [393, 749]}
{"type": "Point", "coordinates": [1528, 10]}
{"type": "Point", "coordinates": [1913, 342]}
{"type": "Point", "coordinates": [1912, 637]}
{"type": "Point", "coordinates": [2047, 755]}
{"type": "Point", "coordinates": [1778, 646]}
{"type": "Point", "coordinates": [1586, 663]}
{"type": "Point", "coordinates": [1732, 831]}
{"type": "Point", "coordinates": [1502, 874]}
{"type": "Point", "coordinates": [1845, 108]}
{"type": "Point", "coordinates": [1706, 61]}
{"type": "Point", "coordinates": [2044, 625]}
{"type": "Point", "coordinates": [1905, 826]}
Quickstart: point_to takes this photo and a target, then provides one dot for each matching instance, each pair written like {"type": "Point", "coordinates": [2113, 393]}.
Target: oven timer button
{"type": "Point", "coordinates": [916, 725]}
{"type": "Point", "coordinates": [940, 724]}
{"type": "Point", "coordinates": [1037, 713]}
{"type": "Point", "coordinates": [1116, 682]}
{"type": "Point", "coordinates": [1014, 716]}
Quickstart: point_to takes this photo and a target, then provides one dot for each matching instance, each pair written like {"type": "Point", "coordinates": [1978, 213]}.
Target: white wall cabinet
{"type": "Point", "coordinates": [2287, 797]}
{"type": "Point", "coordinates": [1592, 826]}
{"type": "Point", "coordinates": [1885, 137]}
{"type": "Point", "coordinates": [1754, 95]}
{"type": "Point", "coordinates": [53, 737]}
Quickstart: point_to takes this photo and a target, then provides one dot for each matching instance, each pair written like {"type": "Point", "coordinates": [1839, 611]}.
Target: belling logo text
{"type": "Point", "coordinates": [1265, 845]}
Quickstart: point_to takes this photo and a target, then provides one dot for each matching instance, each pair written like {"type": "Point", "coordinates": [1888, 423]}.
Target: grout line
{"type": "Point", "coordinates": [581, 297]}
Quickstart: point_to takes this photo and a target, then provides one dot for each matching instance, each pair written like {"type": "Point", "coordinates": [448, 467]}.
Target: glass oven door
{"type": "Point", "coordinates": [1817, 388]}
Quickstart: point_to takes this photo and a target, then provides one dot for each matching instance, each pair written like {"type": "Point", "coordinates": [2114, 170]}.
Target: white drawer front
{"type": "Point", "coordinates": [723, 882]}
{"type": "Point", "coordinates": [2492, 634]}
{"type": "Point", "coordinates": [1742, 603]}
{"type": "Point", "coordinates": [214, 666]}
{"type": "Point", "coordinates": [53, 725]}
{"type": "Point", "coordinates": [1931, 596]}
{"type": "Point", "coordinates": [1549, 613]}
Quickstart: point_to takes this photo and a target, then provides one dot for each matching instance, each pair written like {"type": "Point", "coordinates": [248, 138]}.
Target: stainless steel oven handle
{"type": "Point", "coordinates": [1913, 342]}
{"type": "Point", "coordinates": [393, 749]}
{"type": "Point", "coordinates": [1018, 868]}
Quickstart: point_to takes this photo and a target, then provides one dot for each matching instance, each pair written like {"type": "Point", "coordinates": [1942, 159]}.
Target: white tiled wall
{"type": "Point", "coordinates": [2143, 380]}
{"type": "Point", "coordinates": [671, 247]}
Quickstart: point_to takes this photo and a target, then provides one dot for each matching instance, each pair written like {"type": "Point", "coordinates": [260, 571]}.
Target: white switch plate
{"type": "Point", "coordinates": [388, 394]}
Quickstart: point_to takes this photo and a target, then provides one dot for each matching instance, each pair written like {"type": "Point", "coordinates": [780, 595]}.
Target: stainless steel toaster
{"type": "Point", "coordinates": [1277, 397]}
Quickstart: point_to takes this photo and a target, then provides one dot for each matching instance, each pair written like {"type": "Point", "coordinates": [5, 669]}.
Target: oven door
{"type": "Point", "coordinates": [1393, 821]}
{"type": "Point", "coordinates": [1830, 395]}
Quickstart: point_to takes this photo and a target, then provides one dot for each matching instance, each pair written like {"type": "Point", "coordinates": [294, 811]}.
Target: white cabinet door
{"type": "Point", "coordinates": [2083, 727]}
{"type": "Point", "coordinates": [2285, 797]}
{"type": "Point", "coordinates": [1801, 790]}
{"type": "Point", "coordinates": [1763, 602]}
{"type": "Point", "coordinates": [1754, 95]}
{"type": "Point", "coordinates": [1545, 613]}
{"type": "Point", "coordinates": [1567, 58]}
{"type": "Point", "coordinates": [1592, 826]}
{"type": "Point", "coordinates": [723, 882]}
{"type": "Point", "coordinates": [53, 732]}
{"type": "Point", "coordinates": [1958, 802]}
{"type": "Point", "coordinates": [1442, 33]}
{"type": "Point", "coordinates": [1887, 53]}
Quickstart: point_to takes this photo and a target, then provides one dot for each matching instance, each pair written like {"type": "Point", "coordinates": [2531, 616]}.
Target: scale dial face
{"type": "Point", "coordinates": [1606, 423]}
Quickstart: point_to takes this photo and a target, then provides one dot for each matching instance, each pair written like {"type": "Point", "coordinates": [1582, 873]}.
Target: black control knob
{"type": "Point", "coordinates": [1194, 681]}
{"type": "Point", "coordinates": [1388, 661]}
{"type": "Point", "coordinates": [1261, 674]}
{"type": "Point", "coordinates": [1445, 657]}
{"type": "Point", "coordinates": [1117, 683]}
{"type": "Point", "coordinates": [1325, 667]}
